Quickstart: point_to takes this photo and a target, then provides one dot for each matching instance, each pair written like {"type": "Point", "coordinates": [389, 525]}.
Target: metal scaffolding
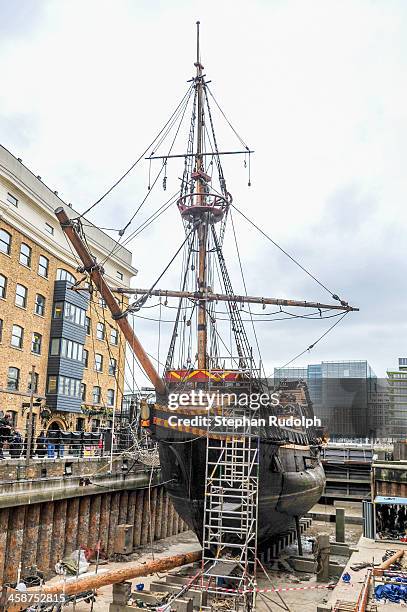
{"type": "Point", "coordinates": [230, 512]}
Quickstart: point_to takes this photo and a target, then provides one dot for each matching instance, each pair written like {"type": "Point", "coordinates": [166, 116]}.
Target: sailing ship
{"type": "Point", "coordinates": [279, 465]}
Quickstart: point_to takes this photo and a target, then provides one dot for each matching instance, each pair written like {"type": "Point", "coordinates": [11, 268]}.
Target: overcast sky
{"type": "Point", "coordinates": [316, 88]}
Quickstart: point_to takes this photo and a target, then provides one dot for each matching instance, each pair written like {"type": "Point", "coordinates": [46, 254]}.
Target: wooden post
{"type": "Point", "coordinates": [323, 548]}
{"type": "Point", "coordinates": [58, 532]}
{"type": "Point", "coordinates": [4, 518]}
{"type": "Point", "coordinates": [138, 518]}
{"type": "Point", "coordinates": [340, 525]}
{"type": "Point", "coordinates": [298, 530]}
{"type": "Point", "coordinates": [15, 541]}
{"type": "Point", "coordinates": [31, 531]}
{"type": "Point", "coordinates": [145, 518]}
{"type": "Point", "coordinates": [72, 524]}
{"type": "Point", "coordinates": [104, 520]}
{"type": "Point", "coordinates": [45, 537]}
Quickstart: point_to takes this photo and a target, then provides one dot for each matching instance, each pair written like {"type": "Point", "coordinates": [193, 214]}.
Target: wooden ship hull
{"type": "Point", "coordinates": [291, 478]}
{"type": "Point", "coordinates": [282, 495]}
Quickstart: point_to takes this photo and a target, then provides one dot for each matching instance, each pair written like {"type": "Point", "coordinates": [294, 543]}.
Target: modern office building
{"type": "Point", "coordinates": [397, 390]}
{"type": "Point", "coordinates": [340, 393]}
{"type": "Point", "coordinates": [67, 334]}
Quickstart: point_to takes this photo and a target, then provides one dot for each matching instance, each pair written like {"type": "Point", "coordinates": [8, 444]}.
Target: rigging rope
{"type": "Point", "coordinates": [332, 294]}
{"type": "Point", "coordinates": [187, 94]}
{"type": "Point", "coordinates": [311, 346]}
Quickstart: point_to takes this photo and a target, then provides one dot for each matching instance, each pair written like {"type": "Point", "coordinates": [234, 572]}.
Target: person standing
{"type": "Point", "coordinates": [41, 441]}
{"type": "Point", "coordinates": [58, 443]}
{"type": "Point", "coordinates": [15, 444]}
{"type": "Point", "coordinates": [5, 431]}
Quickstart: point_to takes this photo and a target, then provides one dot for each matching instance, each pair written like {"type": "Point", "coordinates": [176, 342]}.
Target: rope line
{"type": "Point", "coordinates": [331, 293]}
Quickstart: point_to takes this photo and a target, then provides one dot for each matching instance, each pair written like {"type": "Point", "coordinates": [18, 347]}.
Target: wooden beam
{"type": "Point", "coordinates": [245, 299]}
{"type": "Point", "coordinates": [96, 274]}
{"type": "Point", "coordinates": [96, 581]}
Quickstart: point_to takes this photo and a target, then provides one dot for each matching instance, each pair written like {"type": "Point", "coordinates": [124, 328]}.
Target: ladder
{"type": "Point", "coordinates": [230, 511]}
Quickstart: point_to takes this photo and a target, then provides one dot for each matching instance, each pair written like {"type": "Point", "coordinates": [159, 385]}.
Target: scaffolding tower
{"type": "Point", "coordinates": [230, 510]}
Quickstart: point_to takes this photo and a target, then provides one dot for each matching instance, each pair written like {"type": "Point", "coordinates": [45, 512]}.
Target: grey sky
{"type": "Point", "coordinates": [317, 88]}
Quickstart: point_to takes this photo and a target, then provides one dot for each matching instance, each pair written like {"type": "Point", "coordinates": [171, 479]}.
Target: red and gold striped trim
{"type": "Point", "coordinates": [202, 375]}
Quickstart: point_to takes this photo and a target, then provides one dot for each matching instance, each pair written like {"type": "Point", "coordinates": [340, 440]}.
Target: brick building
{"type": "Point", "coordinates": [68, 335]}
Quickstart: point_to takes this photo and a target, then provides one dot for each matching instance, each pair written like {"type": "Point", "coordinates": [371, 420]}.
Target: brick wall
{"type": "Point", "coordinates": [23, 359]}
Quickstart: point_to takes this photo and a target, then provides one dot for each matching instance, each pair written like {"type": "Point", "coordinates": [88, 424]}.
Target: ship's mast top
{"type": "Point", "coordinates": [200, 111]}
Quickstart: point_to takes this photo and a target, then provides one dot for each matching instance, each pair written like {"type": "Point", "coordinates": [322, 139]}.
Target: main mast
{"type": "Point", "coordinates": [201, 198]}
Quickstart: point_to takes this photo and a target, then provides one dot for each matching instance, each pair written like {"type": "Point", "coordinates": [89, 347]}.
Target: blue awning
{"type": "Point", "coordinates": [400, 501]}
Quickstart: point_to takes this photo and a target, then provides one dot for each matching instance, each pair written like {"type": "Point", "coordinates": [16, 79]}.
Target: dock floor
{"type": "Point", "coordinates": [368, 551]}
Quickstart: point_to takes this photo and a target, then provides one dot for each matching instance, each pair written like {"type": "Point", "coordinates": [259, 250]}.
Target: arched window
{"type": "Point", "coordinates": [64, 275]}
{"type": "Point", "coordinates": [25, 255]}
{"type": "Point", "coordinates": [5, 242]}
{"type": "Point", "coordinates": [3, 286]}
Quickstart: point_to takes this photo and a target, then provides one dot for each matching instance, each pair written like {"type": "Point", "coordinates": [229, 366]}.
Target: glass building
{"type": "Point", "coordinates": [340, 392]}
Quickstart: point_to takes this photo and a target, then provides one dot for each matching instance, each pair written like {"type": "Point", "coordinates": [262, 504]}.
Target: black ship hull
{"type": "Point", "coordinates": [291, 481]}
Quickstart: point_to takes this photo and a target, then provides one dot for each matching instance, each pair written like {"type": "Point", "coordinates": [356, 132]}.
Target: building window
{"type": "Point", "coordinates": [102, 303]}
{"type": "Point", "coordinates": [5, 242]}
{"type": "Point", "coordinates": [35, 390]}
{"type": "Point", "coordinates": [95, 424]}
{"type": "Point", "coordinates": [13, 416]}
{"type": "Point", "coordinates": [119, 275]}
{"type": "Point", "coordinates": [39, 307]}
{"type": "Point", "coordinates": [36, 343]}
{"type": "Point", "coordinates": [110, 397]}
{"type": "Point", "coordinates": [83, 392]}
{"type": "Point", "coordinates": [43, 266]}
{"type": "Point", "coordinates": [74, 314]}
{"type": "Point", "coordinates": [17, 334]}
{"type": "Point", "coordinates": [100, 331]}
{"type": "Point", "coordinates": [1, 330]}
{"type": "Point", "coordinates": [3, 286]}
{"type": "Point", "coordinates": [13, 379]}
{"type": "Point", "coordinates": [96, 395]}
{"type": "Point", "coordinates": [98, 362]}
{"type": "Point", "coordinates": [12, 199]}
{"type": "Point", "coordinates": [52, 384]}
{"type": "Point", "coordinates": [69, 312]}
{"type": "Point", "coordinates": [85, 357]}
{"type": "Point", "coordinates": [55, 344]}
{"type": "Point", "coordinates": [25, 255]}
{"type": "Point", "coordinates": [64, 275]}
{"type": "Point", "coordinates": [80, 424]}
{"type": "Point", "coordinates": [114, 336]}
{"type": "Point", "coordinates": [71, 350]}
{"type": "Point", "coordinates": [49, 229]}
{"type": "Point", "coordinates": [69, 386]}
{"type": "Point", "coordinates": [87, 325]}
{"type": "Point", "coordinates": [112, 366]}
{"type": "Point", "coordinates": [58, 310]}
{"type": "Point", "coordinates": [21, 296]}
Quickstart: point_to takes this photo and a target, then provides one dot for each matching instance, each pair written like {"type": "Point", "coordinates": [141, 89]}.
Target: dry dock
{"type": "Point", "coordinates": [368, 551]}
